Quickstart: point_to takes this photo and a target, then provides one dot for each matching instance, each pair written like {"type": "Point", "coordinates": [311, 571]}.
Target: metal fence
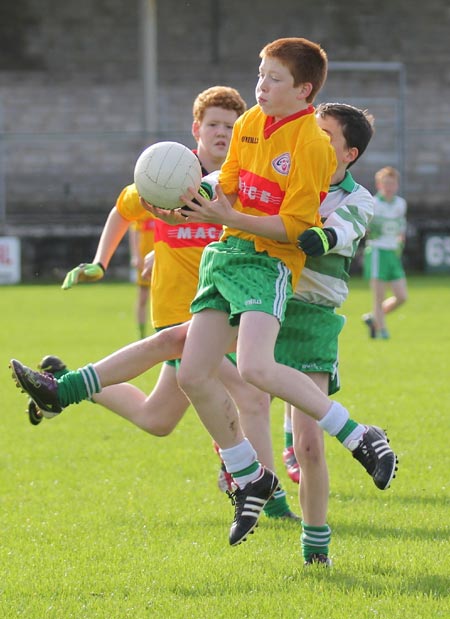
{"type": "Point", "coordinates": [64, 184]}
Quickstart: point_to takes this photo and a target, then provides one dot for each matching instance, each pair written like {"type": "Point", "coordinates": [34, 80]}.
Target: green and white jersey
{"type": "Point", "coordinates": [388, 225]}
{"type": "Point", "coordinates": [348, 208]}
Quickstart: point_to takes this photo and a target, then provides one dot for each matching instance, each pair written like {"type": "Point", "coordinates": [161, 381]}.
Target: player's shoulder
{"type": "Point", "coordinates": [129, 191]}
{"type": "Point", "coordinates": [402, 203]}
{"type": "Point", "coordinates": [128, 203]}
{"type": "Point", "coordinates": [362, 193]}
{"type": "Point", "coordinates": [348, 195]}
{"type": "Point", "coordinates": [253, 112]}
{"type": "Point", "coordinates": [311, 135]}
{"type": "Point", "coordinates": [253, 115]}
{"type": "Point", "coordinates": [362, 201]}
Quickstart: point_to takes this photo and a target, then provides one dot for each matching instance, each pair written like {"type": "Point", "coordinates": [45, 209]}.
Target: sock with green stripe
{"type": "Point", "coordinates": [277, 506]}
{"type": "Point", "coordinates": [337, 423]}
{"type": "Point", "coordinates": [77, 386]}
{"type": "Point", "coordinates": [241, 462]}
{"type": "Point", "coordinates": [315, 540]}
{"type": "Point", "coordinates": [350, 434]}
{"type": "Point", "coordinates": [60, 373]}
{"type": "Point", "coordinates": [288, 435]}
{"type": "Point", "coordinates": [142, 329]}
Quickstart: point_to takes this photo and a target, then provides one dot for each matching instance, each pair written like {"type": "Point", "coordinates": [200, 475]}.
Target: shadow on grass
{"type": "Point", "coordinates": [369, 530]}
{"type": "Point", "coordinates": [376, 583]}
{"type": "Point", "coordinates": [383, 582]}
{"type": "Point", "coordinates": [440, 500]}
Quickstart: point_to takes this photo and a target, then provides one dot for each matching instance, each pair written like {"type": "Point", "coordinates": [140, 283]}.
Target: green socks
{"type": "Point", "coordinates": [337, 423]}
{"type": "Point", "coordinates": [244, 476]}
{"type": "Point", "coordinates": [288, 439]}
{"type": "Point", "coordinates": [277, 506]}
{"type": "Point", "coordinates": [60, 373]}
{"type": "Point", "coordinates": [142, 328]}
{"type": "Point", "coordinates": [74, 387]}
{"type": "Point", "coordinates": [348, 428]}
{"type": "Point", "coordinates": [287, 427]}
{"type": "Point", "coordinates": [315, 540]}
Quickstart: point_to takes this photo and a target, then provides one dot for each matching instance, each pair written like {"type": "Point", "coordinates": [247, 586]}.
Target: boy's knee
{"type": "Point", "coordinates": [254, 408]}
{"type": "Point", "coordinates": [159, 429]}
{"type": "Point", "coordinates": [189, 380]}
{"type": "Point", "coordinates": [254, 374]}
{"type": "Point", "coordinates": [183, 379]}
{"type": "Point", "coordinates": [309, 450]}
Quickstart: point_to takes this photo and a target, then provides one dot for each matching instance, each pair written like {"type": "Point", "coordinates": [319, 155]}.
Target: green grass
{"type": "Point", "coordinates": [99, 520]}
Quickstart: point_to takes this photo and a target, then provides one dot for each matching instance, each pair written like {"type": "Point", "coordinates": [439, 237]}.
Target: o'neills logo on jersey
{"type": "Point", "coordinates": [190, 235]}
{"type": "Point", "coordinates": [249, 139]}
{"type": "Point", "coordinates": [282, 164]}
{"type": "Point", "coordinates": [253, 302]}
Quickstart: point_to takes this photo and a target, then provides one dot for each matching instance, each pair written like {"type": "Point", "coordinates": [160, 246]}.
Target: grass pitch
{"type": "Point", "coordinates": [100, 520]}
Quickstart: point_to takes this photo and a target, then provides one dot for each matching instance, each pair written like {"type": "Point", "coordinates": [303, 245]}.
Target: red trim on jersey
{"type": "Point", "coordinates": [187, 235]}
{"type": "Point", "coordinates": [271, 125]}
{"type": "Point", "coordinates": [259, 193]}
{"type": "Point", "coordinates": [322, 196]}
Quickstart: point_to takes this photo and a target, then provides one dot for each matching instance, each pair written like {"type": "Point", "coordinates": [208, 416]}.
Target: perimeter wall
{"type": "Point", "coordinates": [72, 102]}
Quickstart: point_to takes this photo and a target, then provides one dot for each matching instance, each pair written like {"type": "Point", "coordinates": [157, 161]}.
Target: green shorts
{"type": "Point", "coordinates": [384, 264]}
{"type": "Point", "coordinates": [235, 278]}
{"type": "Point", "coordinates": [308, 340]}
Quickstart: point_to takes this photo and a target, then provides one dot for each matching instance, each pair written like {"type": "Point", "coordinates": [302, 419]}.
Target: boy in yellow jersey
{"type": "Point", "coordinates": [276, 174]}
{"type": "Point", "coordinates": [141, 238]}
{"type": "Point", "coordinates": [177, 254]}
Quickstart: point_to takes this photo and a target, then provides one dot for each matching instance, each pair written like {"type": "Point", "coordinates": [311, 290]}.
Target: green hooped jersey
{"type": "Point", "coordinates": [388, 225]}
{"type": "Point", "coordinates": [348, 208]}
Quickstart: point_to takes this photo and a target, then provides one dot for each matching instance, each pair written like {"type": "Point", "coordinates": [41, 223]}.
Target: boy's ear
{"type": "Point", "coordinates": [352, 154]}
{"type": "Point", "coordinates": [196, 130]}
{"type": "Point", "coordinates": [304, 90]}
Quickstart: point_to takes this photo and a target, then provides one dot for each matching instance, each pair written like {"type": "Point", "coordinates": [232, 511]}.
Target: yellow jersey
{"type": "Point", "coordinates": [279, 168]}
{"type": "Point", "coordinates": [178, 250]}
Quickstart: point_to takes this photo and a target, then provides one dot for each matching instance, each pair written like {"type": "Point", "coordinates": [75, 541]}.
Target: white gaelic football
{"type": "Point", "coordinates": [164, 171]}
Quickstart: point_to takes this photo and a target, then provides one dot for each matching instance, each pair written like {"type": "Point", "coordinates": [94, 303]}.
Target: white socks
{"type": "Point", "coordinates": [240, 458]}
{"type": "Point", "coordinates": [335, 419]}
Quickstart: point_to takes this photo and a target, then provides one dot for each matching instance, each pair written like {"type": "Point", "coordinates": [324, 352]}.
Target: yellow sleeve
{"type": "Point", "coordinates": [129, 206]}
{"type": "Point", "coordinates": [310, 177]}
{"type": "Point", "coordinates": [229, 172]}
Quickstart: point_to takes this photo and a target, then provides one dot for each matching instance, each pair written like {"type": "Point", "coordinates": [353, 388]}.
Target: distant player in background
{"type": "Point", "coordinates": [383, 252]}
{"type": "Point", "coordinates": [141, 240]}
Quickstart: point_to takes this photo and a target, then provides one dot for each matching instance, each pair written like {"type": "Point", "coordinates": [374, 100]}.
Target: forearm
{"type": "Point", "coordinates": [350, 223]}
{"type": "Point", "coordinates": [113, 232]}
{"type": "Point", "coordinates": [220, 211]}
{"type": "Point", "coordinates": [271, 226]}
{"type": "Point", "coordinates": [133, 237]}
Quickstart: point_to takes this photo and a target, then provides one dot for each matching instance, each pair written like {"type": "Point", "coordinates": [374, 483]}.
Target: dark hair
{"type": "Point", "coordinates": [357, 125]}
{"type": "Point", "coordinates": [306, 61]}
